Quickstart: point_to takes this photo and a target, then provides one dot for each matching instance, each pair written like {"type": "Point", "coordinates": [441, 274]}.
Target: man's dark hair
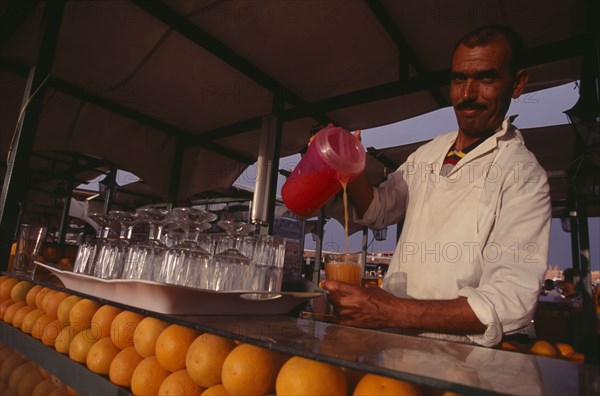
{"type": "Point", "coordinates": [488, 34]}
{"type": "Point", "coordinates": [549, 284]}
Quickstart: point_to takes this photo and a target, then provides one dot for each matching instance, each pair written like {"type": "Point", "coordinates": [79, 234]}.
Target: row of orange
{"type": "Point", "coordinates": [19, 376]}
{"type": "Point", "coordinates": [151, 357]}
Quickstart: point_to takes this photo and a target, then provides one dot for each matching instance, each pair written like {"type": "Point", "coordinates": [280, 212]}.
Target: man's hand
{"type": "Point", "coordinates": [374, 308]}
{"type": "Point", "coordinates": [366, 307]}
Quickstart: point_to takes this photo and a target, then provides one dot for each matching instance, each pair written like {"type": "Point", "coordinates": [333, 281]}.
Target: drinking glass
{"type": "Point", "coordinates": [270, 257]}
{"type": "Point", "coordinates": [143, 259]}
{"type": "Point", "coordinates": [231, 266]}
{"type": "Point", "coordinates": [187, 263]}
{"type": "Point", "coordinates": [109, 264]}
{"type": "Point", "coordinates": [86, 255]}
{"type": "Point", "coordinates": [344, 267]}
{"type": "Point", "coordinates": [29, 247]}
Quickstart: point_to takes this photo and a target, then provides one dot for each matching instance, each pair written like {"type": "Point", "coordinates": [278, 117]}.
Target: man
{"type": "Point", "coordinates": [476, 211]}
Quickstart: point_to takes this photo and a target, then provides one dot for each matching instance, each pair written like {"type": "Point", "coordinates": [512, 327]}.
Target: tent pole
{"type": "Point", "coordinates": [111, 184]}
{"type": "Point", "coordinates": [64, 219]}
{"type": "Point", "coordinates": [15, 186]}
{"type": "Point", "coordinates": [319, 248]}
{"type": "Point", "coordinates": [365, 246]}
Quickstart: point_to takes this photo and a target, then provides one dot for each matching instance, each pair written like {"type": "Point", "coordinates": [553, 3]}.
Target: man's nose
{"type": "Point", "coordinates": [469, 90]}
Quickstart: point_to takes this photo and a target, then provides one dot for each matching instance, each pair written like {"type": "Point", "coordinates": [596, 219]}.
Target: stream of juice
{"type": "Point", "coordinates": [344, 184]}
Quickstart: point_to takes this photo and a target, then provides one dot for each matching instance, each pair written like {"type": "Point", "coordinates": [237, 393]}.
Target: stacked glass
{"type": "Point", "coordinates": [177, 251]}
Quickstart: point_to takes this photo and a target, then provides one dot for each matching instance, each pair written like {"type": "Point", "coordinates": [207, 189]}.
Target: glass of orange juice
{"type": "Point", "coordinates": [344, 267]}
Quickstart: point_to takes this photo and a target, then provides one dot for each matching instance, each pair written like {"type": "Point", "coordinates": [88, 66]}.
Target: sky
{"type": "Point", "coordinates": [535, 109]}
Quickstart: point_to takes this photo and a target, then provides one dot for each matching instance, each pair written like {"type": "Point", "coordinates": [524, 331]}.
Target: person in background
{"type": "Point", "coordinates": [476, 210]}
{"type": "Point", "coordinates": [550, 293]}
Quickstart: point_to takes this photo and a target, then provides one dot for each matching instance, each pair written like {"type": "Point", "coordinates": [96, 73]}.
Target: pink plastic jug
{"type": "Point", "coordinates": [334, 155]}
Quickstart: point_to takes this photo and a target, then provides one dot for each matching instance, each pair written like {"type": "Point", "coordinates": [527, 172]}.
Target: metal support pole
{"type": "Point", "coordinates": [64, 219]}
{"type": "Point", "coordinates": [263, 193]}
{"type": "Point", "coordinates": [14, 189]}
{"type": "Point", "coordinates": [365, 246]}
{"type": "Point", "coordinates": [319, 248]}
{"type": "Point", "coordinates": [572, 205]}
{"type": "Point", "coordinates": [111, 184]}
{"type": "Point", "coordinates": [278, 106]}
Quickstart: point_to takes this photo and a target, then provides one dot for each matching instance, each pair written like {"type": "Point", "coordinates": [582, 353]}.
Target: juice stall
{"type": "Point", "coordinates": [187, 95]}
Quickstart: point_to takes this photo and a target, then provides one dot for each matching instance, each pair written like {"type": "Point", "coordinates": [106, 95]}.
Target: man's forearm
{"type": "Point", "coordinates": [440, 316]}
{"type": "Point", "coordinates": [360, 193]}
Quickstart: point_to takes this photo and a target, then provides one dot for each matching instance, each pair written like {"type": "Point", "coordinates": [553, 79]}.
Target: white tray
{"type": "Point", "coordinates": [181, 300]}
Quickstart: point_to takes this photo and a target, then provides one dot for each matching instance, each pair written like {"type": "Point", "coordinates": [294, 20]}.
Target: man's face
{"type": "Point", "coordinates": [482, 86]}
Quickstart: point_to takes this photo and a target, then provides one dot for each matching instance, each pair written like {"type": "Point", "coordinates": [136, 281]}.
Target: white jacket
{"type": "Point", "coordinates": [482, 232]}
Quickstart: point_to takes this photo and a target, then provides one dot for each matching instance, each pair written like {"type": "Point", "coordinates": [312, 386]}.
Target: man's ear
{"type": "Point", "coordinates": [520, 80]}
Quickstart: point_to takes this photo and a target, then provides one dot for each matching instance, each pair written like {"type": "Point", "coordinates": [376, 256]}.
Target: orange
{"type": "Point", "coordinates": [577, 357]}
{"type": "Point", "coordinates": [215, 390]}
{"type": "Point", "coordinates": [44, 388]}
{"type": "Point", "coordinates": [30, 297]}
{"type": "Point", "coordinates": [64, 309]}
{"type": "Point", "coordinates": [46, 299]}
{"type": "Point", "coordinates": [101, 355]}
{"type": "Point", "coordinates": [376, 385]}
{"type": "Point", "coordinates": [81, 345]}
{"type": "Point", "coordinates": [51, 332]}
{"type": "Point", "coordinates": [64, 338]}
{"type": "Point", "coordinates": [147, 377]}
{"type": "Point", "coordinates": [9, 314]}
{"type": "Point", "coordinates": [52, 253]}
{"type": "Point", "coordinates": [53, 302]}
{"type": "Point", "coordinates": [8, 366]}
{"type": "Point", "coordinates": [145, 335]}
{"type": "Point", "coordinates": [80, 316]}
{"type": "Point", "coordinates": [6, 287]}
{"type": "Point", "coordinates": [20, 315]}
{"type": "Point", "coordinates": [301, 376]}
{"type": "Point", "coordinates": [40, 296]}
{"type": "Point", "coordinates": [509, 346]}
{"type": "Point", "coordinates": [122, 328]}
{"type": "Point", "coordinates": [18, 373]}
{"type": "Point", "coordinates": [179, 383]}
{"type": "Point", "coordinates": [30, 319]}
{"type": "Point", "coordinates": [20, 290]}
{"type": "Point", "coordinates": [172, 345]}
{"type": "Point", "coordinates": [543, 348]}
{"type": "Point", "coordinates": [102, 319]}
{"type": "Point", "coordinates": [28, 382]}
{"type": "Point", "coordinates": [65, 264]}
{"type": "Point", "coordinates": [564, 349]}
{"type": "Point", "coordinates": [251, 370]}
{"type": "Point", "coordinates": [4, 305]}
{"type": "Point", "coordinates": [39, 327]}
{"type": "Point", "coordinates": [122, 367]}
{"type": "Point", "coordinates": [205, 357]}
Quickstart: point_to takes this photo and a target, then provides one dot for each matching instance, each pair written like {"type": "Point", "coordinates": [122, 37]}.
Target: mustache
{"type": "Point", "coordinates": [471, 105]}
